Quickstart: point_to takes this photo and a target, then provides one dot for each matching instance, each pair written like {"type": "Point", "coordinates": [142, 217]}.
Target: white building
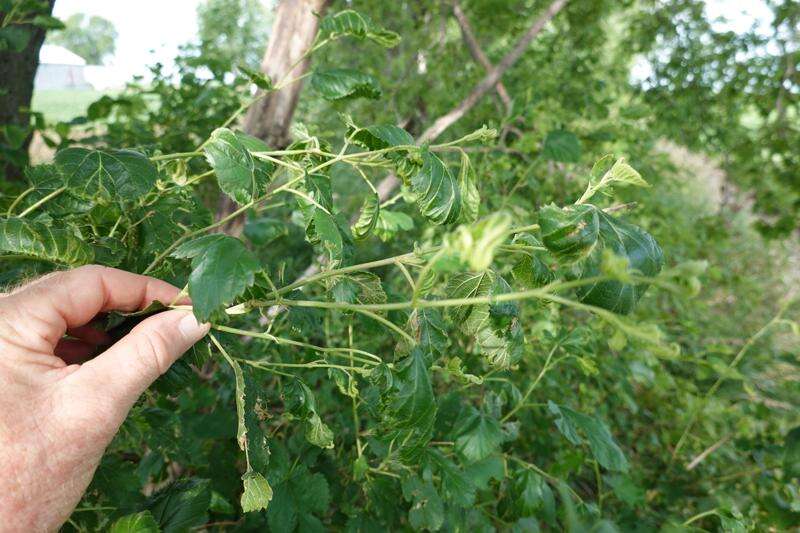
{"type": "Point", "coordinates": [61, 69]}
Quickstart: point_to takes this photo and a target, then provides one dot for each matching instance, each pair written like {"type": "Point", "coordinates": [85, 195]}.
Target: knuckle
{"type": "Point", "coordinates": [153, 351]}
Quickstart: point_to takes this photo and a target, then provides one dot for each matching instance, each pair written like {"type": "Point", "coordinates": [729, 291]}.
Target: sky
{"type": "Point", "coordinates": [153, 30]}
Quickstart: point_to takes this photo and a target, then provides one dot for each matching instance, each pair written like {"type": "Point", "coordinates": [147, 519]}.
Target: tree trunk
{"type": "Point", "coordinates": [293, 31]}
{"type": "Point", "coordinates": [17, 71]}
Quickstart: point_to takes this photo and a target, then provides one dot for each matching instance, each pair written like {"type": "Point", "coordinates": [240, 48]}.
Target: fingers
{"type": "Point", "coordinates": [126, 369]}
{"type": "Point", "coordinates": [70, 299]}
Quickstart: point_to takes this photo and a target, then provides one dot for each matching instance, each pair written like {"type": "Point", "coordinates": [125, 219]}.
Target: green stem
{"type": "Point", "coordinates": [17, 200]}
{"type": "Point", "coordinates": [42, 201]}
{"type": "Point", "coordinates": [176, 155]}
{"type": "Point", "coordinates": [553, 479]}
{"type": "Point", "coordinates": [533, 385]}
{"type": "Point", "coordinates": [698, 516]}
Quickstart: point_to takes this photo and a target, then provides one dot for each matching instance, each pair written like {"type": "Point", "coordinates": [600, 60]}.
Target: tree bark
{"type": "Point", "coordinates": [293, 32]}
{"type": "Point", "coordinates": [17, 72]}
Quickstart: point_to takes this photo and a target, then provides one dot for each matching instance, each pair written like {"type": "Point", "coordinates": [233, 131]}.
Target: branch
{"type": "Point", "coordinates": [476, 52]}
{"type": "Point", "coordinates": [390, 182]}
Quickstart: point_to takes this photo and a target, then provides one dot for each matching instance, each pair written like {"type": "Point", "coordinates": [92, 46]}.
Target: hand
{"type": "Point", "coordinates": [58, 416]}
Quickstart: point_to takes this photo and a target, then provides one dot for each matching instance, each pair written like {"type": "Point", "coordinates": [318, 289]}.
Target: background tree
{"type": "Point", "coordinates": [93, 38]}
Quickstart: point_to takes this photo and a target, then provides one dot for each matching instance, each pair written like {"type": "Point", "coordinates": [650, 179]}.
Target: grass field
{"type": "Point", "coordinates": [59, 105]}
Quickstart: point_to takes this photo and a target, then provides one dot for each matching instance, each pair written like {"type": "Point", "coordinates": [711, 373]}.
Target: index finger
{"type": "Point", "coordinates": [68, 299]}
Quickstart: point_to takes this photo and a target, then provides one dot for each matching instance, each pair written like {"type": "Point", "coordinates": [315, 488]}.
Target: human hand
{"type": "Point", "coordinates": [57, 416]}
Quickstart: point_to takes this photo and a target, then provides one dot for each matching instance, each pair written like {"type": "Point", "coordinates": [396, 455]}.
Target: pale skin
{"type": "Point", "coordinates": [60, 405]}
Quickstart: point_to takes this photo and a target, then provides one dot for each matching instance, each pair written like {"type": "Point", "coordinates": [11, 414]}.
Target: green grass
{"type": "Point", "coordinates": [61, 105]}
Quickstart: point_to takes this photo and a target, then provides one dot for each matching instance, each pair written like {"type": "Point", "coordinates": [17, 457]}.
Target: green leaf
{"type": "Point", "coordinates": [263, 167]}
{"type": "Point", "coordinates": [257, 492]}
{"type": "Point", "coordinates": [300, 401]}
{"type": "Point", "coordinates": [479, 436]}
{"type": "Point", "coordinates": [390, 223]}
{"type": "Point", "coordinates": [259, 79]}
{"type": "Point", "coordinates": [562, 146]}
{"type": "Point", "coordinates": [534, 270]}
{"type": "Point", "coordinates": [358, 287]}
{"type": "Point", "coordinates": [106, 175]}
{"type": "Point", "coordinates": [14, 38]}
{"type": "Point", "coordinates": [44, 241]}
{"type": "Point", "coordinates": [264, 230]}
{"type": "Point", "coordinates": [341, 83]}
{"type": "Point", "coordinates": [354, 24]}
{"type": "Point", "coordinates": [533, 494]}
{"type": "Point", "coordinates": [46, 179]}
{"type": "Point", "coordinates": [368, 217]}
{"type": "Point", "coordinates": [327, 231]}
{"type": "Point", "coordinates": [380, 137]}
{"type": "Point", "coordinates": [251, 438]}
{"type": "Point", "coordinates": [637, 247]}
{"type": "Point", "coordinates": [604, 448]}
{"type": "Point", "coordinates": [409, 405]}
{"type": "Point", "coordinates": [233, 165]}
{"type": "Point", "coordinates": [136, 523]}
{"type": "Point", "coordinates": [457, 486]}
{"type": "Point", "coordinates": [48, 22]}
{"type": "Point", "coordinates": [500, 341]}
{"type": "Point", "coordinates": [791, 453]}
{"type": "Point", "coordinates": [427, 508]}
{"type": "Point", "coordinates": [181, 506]}
{"type": "Point", "coordinates": [470, 197]}
{"type": "Point", "coordinates": [430, 331]}
{"type": "Point", "coordinates": [222, 269]}
{"type": "Point", "coordinates": [624, 174]}
{"type": "Point", "coordinates": [571, 232]}
{"type": "Point", "coordinates": [438, 195]}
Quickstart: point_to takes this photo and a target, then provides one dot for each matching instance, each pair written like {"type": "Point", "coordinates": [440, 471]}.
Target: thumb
{"type": "Point", "coordinates": [126, 369]}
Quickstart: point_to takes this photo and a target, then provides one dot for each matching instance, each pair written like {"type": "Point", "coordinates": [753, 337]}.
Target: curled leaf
{"type": "Point", "coordinates": [438, 195]}
{"type": "Point", "coordinates": [368, 218]}
{"type": "Point", "coordinates": [571, 232]}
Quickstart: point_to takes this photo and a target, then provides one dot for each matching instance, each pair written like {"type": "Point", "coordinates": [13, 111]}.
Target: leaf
{"type": "Point", "coordinates": [354, 24]}
{"type": "Point", "coordinates": [264, 230]}
{"type": "Point", "coordinates": [791, 453]}
{"type": "Point", "coordinates": [533, 494]}
{"type": "Point", "coordinates": [499, 338]}
{"type": "Point", "coordinates": [427, 508]}
{"type": "Point", "coordinates": [233, 165]}
{"type": "Point", "coordinates": [390, 223]}
{"type": "Point", "coordinates": [251, 438]}
{"type": "Point", "coordinates": [470, 197]}
{"type": "Point", "coordinates": [257, 492]}
{"type": "Point", "coordinates": [479, 436]}
{"type": "Point", "coordinates": [14, 38]}
{"type": "Point", "coordinates": [430, 331]}
{"type": "Point", "coordinates": [637, 247]}
{"type": "Point", "coordinates": [300, 401]}
{"type": "Point", "coordinates": [222, 269]}
{"type": "Point", "coordinates": [263, 168]}
{"type": "Point", "coordinates": [328, 233]}
{"type": "Point", "coordinates": [46, 179]}
{"type": "Point", "coordinates": [380, 137]}
{"type": "Point", "coordinates": [571, 232]}
{"type": "Point", "coordinates": [457, 486]}
{"type": "Point", "coordinates": [44, 241]}
{"type": "Point", "coordinates": [136, 523]}
{"type": "Point", "coordinates": [106, 175]}
{"type": "Point", "coordinates": [359, 287]}
{"type": "Point", "coordinates": [562, 146]}
{"type": "Point", "coordinates": [534, 270]}
{"type": "Point", "coordinates": [476, 244]}
{"type": "Point", "coordinates": [368, 218]}
{"type": "Point", "coordinates": [181, 506]}
{"type": "Point", "coordinates": [624, 174]}
{"type": "Point", "coordinates": [412, 404]}
{"type": "Point", "coordinates": [604, 448]}
{"type": "Point", "coordinates": [48, 22]}
{"type": "Point", "coordinates": [438, 195]}
{"type": "Point", "coordinates": [259, 79]}
{"type": "Point", "coordinates": [341, 83]}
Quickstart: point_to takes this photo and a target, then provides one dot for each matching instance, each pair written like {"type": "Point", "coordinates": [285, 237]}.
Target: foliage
{"type": "Point", "coordinates": [505, 344]}
{"type": "Point", "coordinates": [93, 38]}
{"type": "Point", "coordinates": [232, 33]}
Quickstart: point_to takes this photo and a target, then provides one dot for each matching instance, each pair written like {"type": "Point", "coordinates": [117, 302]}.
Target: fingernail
{"type": "Point", "coordinates": [189, 327]}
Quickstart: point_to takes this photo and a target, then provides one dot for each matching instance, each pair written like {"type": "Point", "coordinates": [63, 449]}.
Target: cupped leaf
{"type": "Point", "coordinates": [368, 217]}
{"type": "Point", "coordinates": [299, 400]}
{"type": "Point", "coordinates": [136, 523]}
{"type": "Point", "coordinates": [222, 269]}
{"type": "Point", "coordinates": [251, 438]}
{"type": "Point", "coordinates": [380, 137]}
{"type": "Point", "coordinates": [342, 83]}
{"type": "Point", "coordinates": [390, 223]}
{"type": "Point", "coordinates": [602, 444]}
{"type": "Point", "coordinates": [571, 232]}
{"type": "Point", "coordinates": [495, 327]}
{"type": "Point", "coordinates": [438, 195]}
{"type": "Point", "coordinates": [233, 165]}
{"type": "Point", "coordinates": [44, 241]}
{"type": "Point", "coordinates": [635, 246]}
{"type": "Point", "coordinates": [470, 197]}
{"type": "Point", "coordinates": [354, 24]}
{"type": "Point", "coordinates": [106, 175]}
{"type": "Point", "coordinates": [562, 146]}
